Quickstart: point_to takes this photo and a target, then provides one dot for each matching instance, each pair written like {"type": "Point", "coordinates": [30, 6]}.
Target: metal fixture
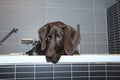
{"type": "Point", "coordinates": [78, 28]}
{"type": "Point", "coordinates": [14, 30]}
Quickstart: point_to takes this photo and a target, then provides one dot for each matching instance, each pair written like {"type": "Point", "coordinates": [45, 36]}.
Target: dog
{"type": "Point", "coordinates": [56, 39]}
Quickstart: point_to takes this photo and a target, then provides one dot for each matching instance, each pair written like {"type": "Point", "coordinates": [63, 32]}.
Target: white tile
{"type": "Point", "coordinates": [23, 3]}
{"type": "Point", "coordinates": [101, 38]}
{"type": "Point", "coordinates": [70, 3]}
{"type": "Point", "coordinates": [104, 4]}
{"type": "Point", "coordinates": [23, 48]}
{"type": "Point", "coordinates": [6, 49]}
{"type": "Point", "coordinates": [101, 20]}
{"type": "Point", "coordinates": [73, 17]}
{"type": "Point", "coordinates": [87, 38]}
{"type": "Point", "coordinates": [26, 19]}
{"type": "Point", "coordinates": [102, 48]}
{"type": "Point", "coordinates": [87, 48]}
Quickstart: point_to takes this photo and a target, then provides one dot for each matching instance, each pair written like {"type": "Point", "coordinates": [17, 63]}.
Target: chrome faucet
{"type": "Point", "coordinates": [14, 30]}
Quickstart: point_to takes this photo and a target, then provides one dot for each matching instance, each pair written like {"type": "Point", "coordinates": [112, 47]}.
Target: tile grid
{"type": "Point", "coordinates": [104, 71]}
{"type": "Point", "coordinates": [116, 43]}
{"type": "Point", "coordinates": [113, 18]}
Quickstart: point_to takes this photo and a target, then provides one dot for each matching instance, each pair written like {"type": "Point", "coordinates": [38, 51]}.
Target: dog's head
{"type": "Point", "coordinates": [58, 38]}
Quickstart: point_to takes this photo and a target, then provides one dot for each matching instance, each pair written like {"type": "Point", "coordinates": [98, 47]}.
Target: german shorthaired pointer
{"type": "Point", "coordinates": [56, 39]}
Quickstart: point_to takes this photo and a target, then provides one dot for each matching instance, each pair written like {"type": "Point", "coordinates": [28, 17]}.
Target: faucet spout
{"type": "Point", "coordinates": [14, 30]}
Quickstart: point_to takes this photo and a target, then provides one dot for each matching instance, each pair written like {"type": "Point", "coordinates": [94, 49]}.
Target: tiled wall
{"type": "Point", "coordinates": [113, 14]}
{"type": "Point", "coordinates": [70, 71]}
{"type": "Point", "coordinates": [29, 15]}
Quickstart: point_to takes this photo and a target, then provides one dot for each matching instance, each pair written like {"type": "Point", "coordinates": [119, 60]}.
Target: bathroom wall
{"type": "Point", "coordinates": [29, 15]}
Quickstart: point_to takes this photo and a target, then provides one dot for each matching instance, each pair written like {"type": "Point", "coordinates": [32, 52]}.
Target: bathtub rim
{"type": "Point", "coordinates": [96, 58]}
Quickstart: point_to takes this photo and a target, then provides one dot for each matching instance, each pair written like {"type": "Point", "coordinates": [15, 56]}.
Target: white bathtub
{"type": "Point", "coordinates": [64, 59]}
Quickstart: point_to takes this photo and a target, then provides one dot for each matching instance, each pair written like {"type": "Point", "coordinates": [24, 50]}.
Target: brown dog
{"type": "Point", "coordinates": [56, 39]}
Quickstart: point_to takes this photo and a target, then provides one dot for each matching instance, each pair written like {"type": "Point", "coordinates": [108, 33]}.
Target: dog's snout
{"type": "Point", "coordinates": [49, 55]}
{"type": "Point", "coordinates": [49, 52]}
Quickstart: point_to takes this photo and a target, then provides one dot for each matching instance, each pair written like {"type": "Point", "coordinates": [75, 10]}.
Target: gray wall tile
{"type": "Point", "coordinates": [101, 48]}
{"type": "Point", "coordinates": [87, 38]}
{"type": "Point", "coordinates": [26, 19]}
{"type": "Point", "coordinates": [103, 4]}
{"type": "Point", "coordinates": [70, 3]}
{"type": "Point", "coordinates": [101, 38]}
{"type": "Point", "coordinates": [23, 3]}
{"type": "Point", "coordinates": [87, 48]}
{"type": "Point", "coordinates": [100, 21]}
{"type": "Point", "coordinates": [73, 17]}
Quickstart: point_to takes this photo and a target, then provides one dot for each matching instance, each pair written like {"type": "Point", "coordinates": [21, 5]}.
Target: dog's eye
{"type": "Point", "coordinates": [49, 37]}
{"type": "Point", "coordinates": [58, 36]}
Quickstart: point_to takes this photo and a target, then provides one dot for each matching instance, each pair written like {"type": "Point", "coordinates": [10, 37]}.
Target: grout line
{"type": "Point", "coordinates": [16, 41]}
{"type": "Point", "coordinates": [62, 72]}
{"type": "Point", "coordinates": [73, 8]}
{"type": "Point", "coordinates": [34, 70]}
{"type": "Point", "coordinates": [53, 72]}
{"type": "Point", "coordinates": [106, 70]}
{"type": "Point", "coordinates": [107, 32]}
{"type": "Point", "coordinates": [46, 12]}
{"type": "Point", "coordinates": [6, 6]}
{"type": "Point", "coordinates": [15, 72]}
{"type": "Point", "coordinates": [94, 25]}
{"type": "Point", "coordinates": [88, 71]}
{"type": "Point", "coordinates": [71, 72]}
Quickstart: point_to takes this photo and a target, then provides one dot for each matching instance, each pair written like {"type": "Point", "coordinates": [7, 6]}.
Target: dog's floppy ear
{"type": "Point", "coordinates": [71, 39]}
{"type": "Point", "coordinates": [42, 32]}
